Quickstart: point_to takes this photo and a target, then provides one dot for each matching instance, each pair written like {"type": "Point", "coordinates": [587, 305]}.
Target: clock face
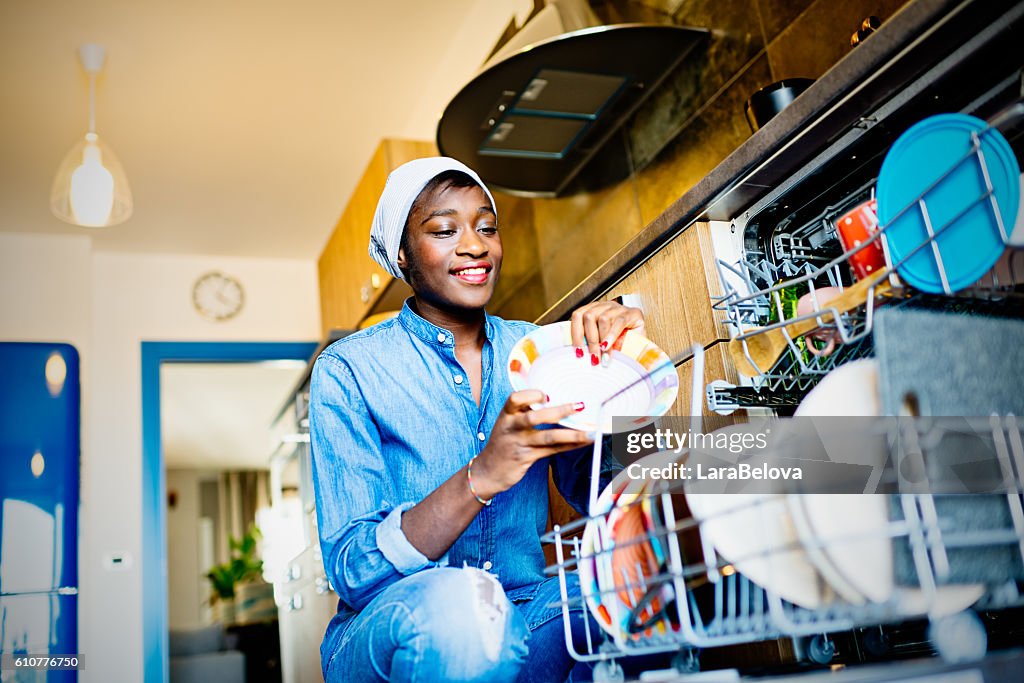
{"type": "Point", "coordinates": [217, 296]}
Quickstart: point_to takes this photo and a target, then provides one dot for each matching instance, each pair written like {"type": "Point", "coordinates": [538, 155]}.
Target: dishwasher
{"type": "Point", "coordinates": [772, 253]}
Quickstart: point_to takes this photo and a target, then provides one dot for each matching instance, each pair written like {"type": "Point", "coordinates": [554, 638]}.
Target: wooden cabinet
{"type": "Point", "coordinates": [351, 283]}
{"type": "Point", "coordinates": [675, 287]}
{"type": "Point", "coordinates": [717, 365]}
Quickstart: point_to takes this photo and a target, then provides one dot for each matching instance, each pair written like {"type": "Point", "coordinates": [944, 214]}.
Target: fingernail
{"type": "Point", "coordinates": [578, 407]}
{"type": "Point", "coordinates": [604, 346]}
{"type": "Point", "coordinates": [594, 360]}
{"type": "Point", "coordinates": [547, 399]}
{"type": "Point", "coordinates": [579, 352]}
{"type": "Point", "coordinates": [605, 359]}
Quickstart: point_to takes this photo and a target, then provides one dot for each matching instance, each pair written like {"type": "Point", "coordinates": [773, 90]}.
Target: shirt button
{"type": "Point", "coordinates": [480, 435]}
{"type": "Point", "coordinates": [488, 565]}
{"type": "Point", "coordinates": [458, 379]}
{"type": "Point", "coordinates": [441, 337]}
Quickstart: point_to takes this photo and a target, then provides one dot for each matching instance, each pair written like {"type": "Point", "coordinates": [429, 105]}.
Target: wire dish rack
{"type": "Point", "coordinates": [760, 290]}
{"type": "Point", "coordinates": [682, 594]}
{"type": "Point", "coordinates": [691, 596]}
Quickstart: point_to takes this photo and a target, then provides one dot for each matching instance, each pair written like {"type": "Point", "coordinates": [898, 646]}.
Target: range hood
{"type": "Point", "coordinates": [545, 104]}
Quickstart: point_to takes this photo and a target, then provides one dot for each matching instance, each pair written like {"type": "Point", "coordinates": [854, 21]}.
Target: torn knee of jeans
{"type": "Point", "coordinates": [491, 609]}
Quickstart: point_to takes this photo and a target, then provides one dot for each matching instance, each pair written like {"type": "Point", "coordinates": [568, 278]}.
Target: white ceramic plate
{"type": "Point", "coordinates": [816, 552]}
{"type": "Point", "coordinates": [755, 533]}
{"type": "Point", "coordinates": [947, 600]}
{"type": "Point", "coordinates": [851, 390]}
{"type": "Point", "coordinates": [849, 531]}
{"type": "Point", "coordinates": [546, 359]}
{"type": "Point", "coordinates": [853, 532]}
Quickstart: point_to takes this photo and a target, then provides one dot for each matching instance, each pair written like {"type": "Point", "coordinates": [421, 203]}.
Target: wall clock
{"type": "Point", "coordinates": [217, 296]}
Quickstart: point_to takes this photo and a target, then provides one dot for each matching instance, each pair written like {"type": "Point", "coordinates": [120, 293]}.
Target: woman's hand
{"type": "Point", "coordinates": [597, 325]}
{"type": "Point", "coordinates": [516, 443]}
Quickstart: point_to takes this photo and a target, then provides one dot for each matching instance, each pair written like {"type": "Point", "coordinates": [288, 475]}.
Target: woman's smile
{"type": "Point", "coordinates": [475, 273]}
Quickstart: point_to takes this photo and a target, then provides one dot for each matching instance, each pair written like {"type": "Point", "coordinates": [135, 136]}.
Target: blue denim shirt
{"type": "Point", "coordinates": [392, 416]}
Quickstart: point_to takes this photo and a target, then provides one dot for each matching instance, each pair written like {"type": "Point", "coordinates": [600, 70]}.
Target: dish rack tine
{"type": "Point", "coordinates": [1011, 480]}
{"type": "Point", "coordinates": [595, 465]}
{"type": "Point", "coordinates": [936, 252]}
{"type": "Point", "coordinates": [990, 190]}
{"type": "Point", "coordinates": [697, 391]}
{"type": "Point", "coordinates": [1016, 448]}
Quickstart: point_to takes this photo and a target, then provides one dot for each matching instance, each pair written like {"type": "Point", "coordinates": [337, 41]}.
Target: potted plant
{"type": "Point", "coordinates": [226, 578]}
{"type": "Point", "coordinates": [254, 597]}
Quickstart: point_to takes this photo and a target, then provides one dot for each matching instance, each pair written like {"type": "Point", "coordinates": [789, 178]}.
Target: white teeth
{"type": "Point", "coordinates": [472, 271]}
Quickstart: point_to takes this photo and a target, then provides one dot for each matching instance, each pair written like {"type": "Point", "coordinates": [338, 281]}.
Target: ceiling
{"type": "Point", "coordinates": [217, 416]}
{"type": "Point", "coordinates": [242, 127]}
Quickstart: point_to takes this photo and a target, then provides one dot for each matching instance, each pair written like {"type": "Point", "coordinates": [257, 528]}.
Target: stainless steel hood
{"type": "Point", "coordinates": [530, 121]}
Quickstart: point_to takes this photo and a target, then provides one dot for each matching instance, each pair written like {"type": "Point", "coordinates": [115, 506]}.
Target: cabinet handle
{"type": "Point", "coordinates": [295, 603]}
{"type": "Point", "coordinates": [294, 572]}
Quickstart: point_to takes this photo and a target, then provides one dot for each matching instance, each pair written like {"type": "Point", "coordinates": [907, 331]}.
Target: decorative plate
{"type": "Point", "coordinates": [639, 380]}
{"type": "Point", "coordinates": [595, 556]}
{"type": "Point", "coordinates": [632, 563]}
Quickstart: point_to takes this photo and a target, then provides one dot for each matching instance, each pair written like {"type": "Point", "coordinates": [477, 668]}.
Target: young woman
{"type": "Point", "coordinates": [430, 473]}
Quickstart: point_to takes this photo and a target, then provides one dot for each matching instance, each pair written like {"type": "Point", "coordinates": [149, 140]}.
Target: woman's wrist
{"type": "Point", "coordinates": [484, 487]}
{"type": "Point", "coordinates": [473, 486]}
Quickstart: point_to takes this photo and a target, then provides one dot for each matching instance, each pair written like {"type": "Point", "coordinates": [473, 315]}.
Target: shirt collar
{"type": "Point", "coordinates": [432, 334]}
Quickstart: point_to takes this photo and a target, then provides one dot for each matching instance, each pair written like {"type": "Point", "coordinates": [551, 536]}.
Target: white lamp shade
{"type": "Point", "coordinates": [91, 188]}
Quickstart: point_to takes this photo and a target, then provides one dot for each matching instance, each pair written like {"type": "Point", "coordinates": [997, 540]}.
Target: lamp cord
{"type": "Point", "coordinates": [92, 103]}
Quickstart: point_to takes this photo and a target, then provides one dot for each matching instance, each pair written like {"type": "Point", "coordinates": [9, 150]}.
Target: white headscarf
{"type": "Point", "coordinates": [403, 186]}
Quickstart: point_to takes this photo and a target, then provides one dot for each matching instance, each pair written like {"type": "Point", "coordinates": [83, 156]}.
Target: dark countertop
{"type": "Point", "coordinates": [910, 42]}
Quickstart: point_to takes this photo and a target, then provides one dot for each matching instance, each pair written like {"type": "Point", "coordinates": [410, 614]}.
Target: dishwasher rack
{"type": "Point", "coordinates": [698, 599]}
{"type": "Point", "coordinates": [754, 289]}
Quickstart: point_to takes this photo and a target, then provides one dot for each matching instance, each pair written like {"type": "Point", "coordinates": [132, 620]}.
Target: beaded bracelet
{"type": "Point", "coordinates": [469, 475]}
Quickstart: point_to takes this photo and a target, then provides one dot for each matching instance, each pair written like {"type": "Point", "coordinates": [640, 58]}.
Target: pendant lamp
{"type": "Point", "coordinates": [91, 189]}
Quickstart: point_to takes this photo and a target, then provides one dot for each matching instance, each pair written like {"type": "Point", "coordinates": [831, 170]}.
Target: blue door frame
{"type": "Point", "coordinates": [154, 521]}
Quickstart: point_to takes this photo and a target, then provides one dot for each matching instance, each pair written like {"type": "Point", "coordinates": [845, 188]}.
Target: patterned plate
{"type": "Point", "coordinates": [594, 558]}
{"type": "Point", "coordinates": [632, 564]}
{"type": "Point", "coordinates": [546, 359]}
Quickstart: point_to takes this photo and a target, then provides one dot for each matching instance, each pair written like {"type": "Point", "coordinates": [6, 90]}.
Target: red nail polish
{"type": "Point", "coordinates": [604, 346]}
{"type": "Point", "coordinates": [594, 360]}
{"type": "Point", "coordinates": [579, 352]}
{"type": "Point", "coordinates": [578, 407]}
{"type": "Point", "coordinates": [547, 399]}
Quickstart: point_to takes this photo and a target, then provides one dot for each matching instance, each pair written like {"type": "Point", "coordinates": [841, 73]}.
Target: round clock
{"type": "Point", "coordinates": [217, 296]}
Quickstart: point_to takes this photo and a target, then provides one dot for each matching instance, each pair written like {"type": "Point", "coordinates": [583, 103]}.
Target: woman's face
{"type": "Point", "coordinates": [456, 249]}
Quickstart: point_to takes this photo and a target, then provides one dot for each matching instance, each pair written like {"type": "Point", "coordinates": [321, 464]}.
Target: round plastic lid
{"type": "Point", "coordinates": [932, 152]}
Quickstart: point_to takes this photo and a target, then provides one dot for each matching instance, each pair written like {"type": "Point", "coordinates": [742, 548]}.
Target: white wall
{"type": "Point", "coordinates": [56, 288]}
{"type": "Point", "coordinates": [465, 51]}
{"type": "Point", "coordinates": [148, 297]}
{"type": "Point", "coordinates": [35, 305]}
{"type": "Point", "coordinates": [184, 596]}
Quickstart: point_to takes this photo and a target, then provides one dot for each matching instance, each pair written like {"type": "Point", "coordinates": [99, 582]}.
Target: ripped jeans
{"type": "Point", "coordinates": [457, 625]}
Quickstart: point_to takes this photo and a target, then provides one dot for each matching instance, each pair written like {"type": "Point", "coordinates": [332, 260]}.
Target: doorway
{"type": "Point", "coordinates": [156, 358]}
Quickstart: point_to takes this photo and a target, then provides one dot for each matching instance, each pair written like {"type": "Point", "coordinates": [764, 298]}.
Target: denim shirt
{"type": "Point", "coordinates": [392, 416]}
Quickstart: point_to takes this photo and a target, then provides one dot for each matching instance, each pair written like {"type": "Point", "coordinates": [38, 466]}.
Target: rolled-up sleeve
{"type": "Point", "coordinates": [358, 510]}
